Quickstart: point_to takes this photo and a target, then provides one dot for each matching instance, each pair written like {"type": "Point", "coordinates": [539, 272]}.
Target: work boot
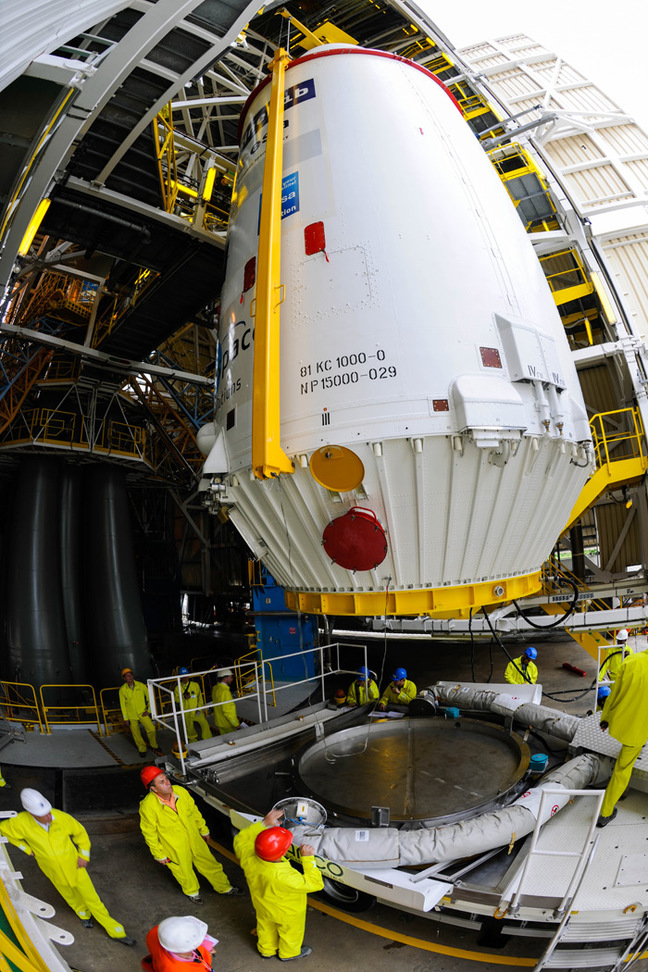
{"type": "Point", "coordinates": [604, 821]}
{"type": "Point", "coordinates": [125, 940]}
{"type": "Point", "coordinates": [196, 898]}
{"type": "Point", "coordinates": [305, 950]}
{"type": "Point", "coordinates": [87, 922]}
{"type": "Point", "coordinates": [233, 891]}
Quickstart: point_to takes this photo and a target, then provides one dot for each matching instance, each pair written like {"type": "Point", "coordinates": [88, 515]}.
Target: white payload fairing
{"type": "Point", "coordinates": [427, 397]}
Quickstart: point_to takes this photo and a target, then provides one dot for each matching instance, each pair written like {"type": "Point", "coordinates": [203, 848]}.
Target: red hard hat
{"type": "Point", "coordinates": [149, 773]}
{"type": "Point", "coordinates": [273, 843]}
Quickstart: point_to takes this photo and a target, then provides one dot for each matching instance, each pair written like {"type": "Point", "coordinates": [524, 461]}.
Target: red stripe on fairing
{"type": "Point", "coordinates": [347, 50]}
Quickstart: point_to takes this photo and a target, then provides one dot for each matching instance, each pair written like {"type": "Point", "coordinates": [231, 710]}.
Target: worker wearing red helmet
{"type": "Point", "coordinates": [279, 892]}
{"type": "Point", "coordinates": [400, 690]}
{"type": "Point", "coordinates": [177, 835]}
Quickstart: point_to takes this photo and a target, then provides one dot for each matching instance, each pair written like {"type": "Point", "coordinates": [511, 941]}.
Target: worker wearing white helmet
{"type": "Point", "coordinates": [61, 847]}
{"type": "Point", "coordinates": [176, 941]}
{"type": "Point", "coordinates": [615, 657]}
{"type": "Point", "coordinates": [225, 716]}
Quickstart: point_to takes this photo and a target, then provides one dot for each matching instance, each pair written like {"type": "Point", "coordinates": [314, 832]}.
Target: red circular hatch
{"type": "Point", "coordinates": [356, 540]}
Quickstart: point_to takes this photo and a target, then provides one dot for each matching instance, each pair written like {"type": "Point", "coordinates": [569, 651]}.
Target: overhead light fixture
{"type": "Point", "coordinates": [34, 224]}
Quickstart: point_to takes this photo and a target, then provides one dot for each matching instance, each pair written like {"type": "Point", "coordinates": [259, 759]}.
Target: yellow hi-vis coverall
{"type": "Point", "coordinates": [134, 703]}
{"type": "Point", "coordinates": [279, 895]}
{"type": "Point", "coordinates": [612, 665]}
{"type": "Point", "coordinates": [191, 699]}
{"type": "Point", "coordinates": [225, 715]}
{"type": "Point", "coordinates": [515, 677]}
{"type": "Point", "coordinates": [57, 851]}
{"type": "Point", "coordinates": [396, 696]}
{"type": "Point", "coordinates": [626, 714]}
{"type": "Point", "coordinates": [3, 782]}
{"type": "Point", "coordinates": [179, 834]}
{"type": "Point", "coordinates": [357, 694]}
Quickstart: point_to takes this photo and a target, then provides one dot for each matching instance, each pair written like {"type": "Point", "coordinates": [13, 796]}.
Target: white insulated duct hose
{"type": "Point", "coordinates": [387, 847]}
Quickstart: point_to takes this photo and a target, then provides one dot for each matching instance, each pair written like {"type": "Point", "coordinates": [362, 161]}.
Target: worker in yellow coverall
{"type": "Point", "coordinates": [3, 782]}
{"type": "Point", "coordinates": [176, 834]}
{"type": "Point", "coordinates": [400, 690]}
{"type": "Point", "coordinates": [225, 716]}
{"type": "Point", "coordinates": [615, 657]}
{"type": "Point", "coordinates": [279, 892]}
{"type": "Point", "coordinates": [625, 714]}
{"type": "Point", "coordinates": [192, 700]}
{"type": "Point", "coordinates": [134, 703]}
{"type": "Point", "coordinates": [523, 669]}
{"type": "Point", "coordinates": [364, 689]}
{"type": "Point", "coordinates": [61, 847]}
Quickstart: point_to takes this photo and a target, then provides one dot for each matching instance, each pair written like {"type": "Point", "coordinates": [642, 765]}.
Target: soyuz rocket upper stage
{"type": "Point", "coordinates": [427, 397]}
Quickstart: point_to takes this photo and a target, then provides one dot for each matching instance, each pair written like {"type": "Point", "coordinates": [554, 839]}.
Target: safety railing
{"type": "Point", "coordinates": [612, 441]}
{"type": "Point", "coordinates": [111, 715]}
{"type": "Point", "coordinates": [325, 664]}
{"type": "Point", "coordinates": [246, 674]}
{"type": "Point", "coordinates": [82, 711]}
{"type": "Point", "coordinates": [18, 703]}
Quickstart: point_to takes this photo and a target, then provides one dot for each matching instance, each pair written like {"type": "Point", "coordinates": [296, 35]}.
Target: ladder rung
{"type": "Point", "coordinates": [582, 958]}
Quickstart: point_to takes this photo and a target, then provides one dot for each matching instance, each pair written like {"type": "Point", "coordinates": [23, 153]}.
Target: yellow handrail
{"type": "Point", "coordinates": [106, 713]}
{"type": "Point", "coordinates": [268, 458]}
{"type": "Point", "coordinates": [65, 708]}
{"type": "Point", "coordinates": [8, 704]}
{"type": "Point", "coordinates": [611, 445]}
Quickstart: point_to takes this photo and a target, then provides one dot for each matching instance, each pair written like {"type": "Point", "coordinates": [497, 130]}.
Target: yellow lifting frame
{"type": "Point", "coordinates": [437, 602]}
{"type": "Point", "coordinates": [268, 458]}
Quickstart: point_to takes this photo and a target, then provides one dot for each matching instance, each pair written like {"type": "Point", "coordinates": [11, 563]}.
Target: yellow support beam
{"type": "Point", "coordinates": [438, 602]}
{"type": "Point", "coordinates": [268, 458]}
{"type": "Point", "coordinates": [612, 475]}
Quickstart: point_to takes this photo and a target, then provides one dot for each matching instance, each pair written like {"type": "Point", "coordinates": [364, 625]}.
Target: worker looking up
{"type": "Point", "coordinates": [61, 847]}
{"type": "Point", "coordinates": [523, 669]}
{"type": "Point", "coordinates": [177, 835]}
{"type": "Point", "coordinates": [278, 891]}
{"type": "Point", "coordinates": [625, 714]}
{"type": "Point", "coordinates": [400, 690]}
{"type": "Point", "coordinates": [133, 699]}
{"type": "Point", "coordinates": [225, 715]}
{"type": "Point", "coordinates": [364, 689]}
{"type": "Point", "coordinates": [615, 657]}
{"type": "Point", "coordinates": [192, 700]}
{"type": "Point", "coordinates": [176, 941]}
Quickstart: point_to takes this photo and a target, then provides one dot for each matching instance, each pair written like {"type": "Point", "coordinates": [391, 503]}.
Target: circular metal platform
{"type": "Point", "coordinates": [426, 770]}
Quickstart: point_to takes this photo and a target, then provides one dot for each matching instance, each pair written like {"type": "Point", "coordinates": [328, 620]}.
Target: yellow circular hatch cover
{"type": "Point", "coordinates": [337, 468]}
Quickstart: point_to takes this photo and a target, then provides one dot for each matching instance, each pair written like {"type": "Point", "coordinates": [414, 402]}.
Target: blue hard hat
{"type": "Point", "coordinates": [398, 674]}
{"type": "Point", "coordinates": [364, 672]}
{"type": "Point", "coordinates": [531, 653]}
{"type": "Point", "coordinates": [183, 671]}
{"type": "Point", "coordinates": [602, 694]}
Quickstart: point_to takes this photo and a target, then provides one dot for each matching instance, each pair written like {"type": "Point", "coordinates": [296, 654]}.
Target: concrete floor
{"type": "Point", "coordinates": [140, 893]}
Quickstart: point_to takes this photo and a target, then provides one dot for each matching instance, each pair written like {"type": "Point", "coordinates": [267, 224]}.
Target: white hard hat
{"type": "Point", "coordinates": [35, 803]}
{"type": "Point", "coordinates": [225, 671]}
{"type": "Point", "coordinates": [181, 934]}
{"type": "Point", "coordinates": [622, 635]}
